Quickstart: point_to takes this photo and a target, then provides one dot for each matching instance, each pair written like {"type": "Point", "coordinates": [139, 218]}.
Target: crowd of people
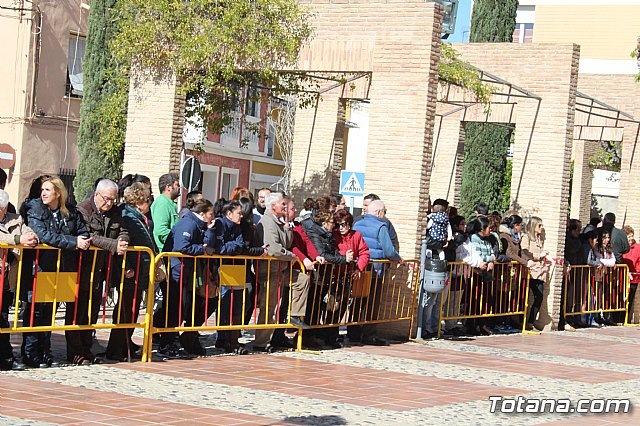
{"type": "Point", "coordinates": [493, 243]}
{"type": "Point", "coordinates": [115, 216]}
{"type": "Point", "coordinates": [335, 248]}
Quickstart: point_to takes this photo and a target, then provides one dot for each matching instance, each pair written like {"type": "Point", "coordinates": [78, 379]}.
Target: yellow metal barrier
{"type": "Point", "coordinates": [590, 290]}
{"type": "Point", "coordinates": [385, 292]}
{"type": "Point", "coordinates": [44, 280]}
{"type": "Point", "coordinates": [238, 288]}
{"type": "Point", "coordinates": [474, 293]}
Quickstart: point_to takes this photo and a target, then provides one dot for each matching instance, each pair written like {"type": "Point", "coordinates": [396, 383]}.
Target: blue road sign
{"type": "Point", "coordinates": [352, 183]}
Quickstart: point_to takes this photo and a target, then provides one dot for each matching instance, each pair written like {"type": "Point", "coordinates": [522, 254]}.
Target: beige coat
{"type": "Point", "coordinates": [534, 250]}
{"type": "Point", "coordinates": [10, 232]}
{"type": "Point", "coordinates": [278, 236]}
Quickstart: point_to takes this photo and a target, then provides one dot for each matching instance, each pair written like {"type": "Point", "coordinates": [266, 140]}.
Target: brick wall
{"type": "Point", "coordinates": [622, 92]}
{"type": "Point", "coordinates": [543, 138]}
{"type": "Point", "coordinates": [154, 128]}
{"type": "Point", "coordinates": [399, 43]}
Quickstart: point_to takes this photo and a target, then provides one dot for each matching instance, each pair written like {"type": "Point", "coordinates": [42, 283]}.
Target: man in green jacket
{"type": "Point", "coordinates": [164, 211]}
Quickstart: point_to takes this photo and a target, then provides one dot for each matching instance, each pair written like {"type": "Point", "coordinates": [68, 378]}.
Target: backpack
{"type": "Point", "coordinates": [437, 227]}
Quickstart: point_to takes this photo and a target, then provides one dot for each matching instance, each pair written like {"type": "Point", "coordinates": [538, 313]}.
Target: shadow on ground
{"type": "Point", "coordinates": [316, 420]}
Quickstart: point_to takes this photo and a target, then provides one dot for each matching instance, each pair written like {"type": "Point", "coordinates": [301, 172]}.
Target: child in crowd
{"type": "Point", "coordinates": [438, 229]}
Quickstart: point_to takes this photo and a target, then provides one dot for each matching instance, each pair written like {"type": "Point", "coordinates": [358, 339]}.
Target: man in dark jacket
{"type": "Point", "coordinates": [620, 245]}
{"type": "Point", "coordinates": [619, 242]}
{"type": "Point", "coordinates": [104, 224]}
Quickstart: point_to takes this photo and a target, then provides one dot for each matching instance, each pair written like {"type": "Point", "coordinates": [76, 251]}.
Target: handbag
{"type": "Point", "coordinates": [160, 272]}
{"type": "Point", "coordinates": [207, 284]}
{"type": "Point", "coordinates": [362, 286]}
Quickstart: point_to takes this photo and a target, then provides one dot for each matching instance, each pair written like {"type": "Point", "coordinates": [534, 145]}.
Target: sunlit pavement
{"type": "Point", "coordinates": [436, 382]}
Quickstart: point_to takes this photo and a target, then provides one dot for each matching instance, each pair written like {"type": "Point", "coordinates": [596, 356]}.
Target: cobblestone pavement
{"type": "Point", "coordinates": [435, 382]}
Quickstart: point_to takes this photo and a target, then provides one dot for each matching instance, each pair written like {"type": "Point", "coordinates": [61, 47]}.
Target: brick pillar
{"type": "Point", "coordinates": [155, 122]}
{"type": "Point", "coordinates": [399, 42]}
{"type": "Point", "coordinates": [543, 138]}
{"type": "Point", "coordinates": [582, 179]}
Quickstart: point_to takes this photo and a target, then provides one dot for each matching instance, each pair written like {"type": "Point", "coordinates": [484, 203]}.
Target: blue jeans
{"type": "Point", "coordinates": [431, 312]}
{"type": "Point", "coordinates": [36, 345]}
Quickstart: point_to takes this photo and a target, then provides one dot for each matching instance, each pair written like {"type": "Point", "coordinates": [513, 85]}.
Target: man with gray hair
{"type": "Point", "coordinates": [277, 237]}
{"type": "Point", "coordinates": [104, 223]}
{"type": "Point", "coordinates": [12, 231]}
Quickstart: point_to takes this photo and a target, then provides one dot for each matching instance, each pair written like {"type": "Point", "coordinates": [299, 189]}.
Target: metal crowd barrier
{"type": "Point", "coordinates": [253, 286]}
{"type": "Point", "coordinates": [590, 290]}
{"type": "Point", "coordinates": [61, 284]}
{"type": "Point", "coordinates": [475, 293]}
{"type": "Point", "coordinates": [385, 292]}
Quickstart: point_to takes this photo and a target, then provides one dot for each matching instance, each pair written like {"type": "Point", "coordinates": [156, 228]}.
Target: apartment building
{"type": "Point", "coordinates": [41, 79]}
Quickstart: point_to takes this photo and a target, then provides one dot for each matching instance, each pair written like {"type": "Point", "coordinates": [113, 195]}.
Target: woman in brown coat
{"type": "Point", "coordinates": [13, 231]}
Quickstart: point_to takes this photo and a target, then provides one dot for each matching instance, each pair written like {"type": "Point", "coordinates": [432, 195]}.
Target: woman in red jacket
{"type": "Point", "coordinates": [632, 259]}
{"type": "Point", "coordinates": [348, 239]}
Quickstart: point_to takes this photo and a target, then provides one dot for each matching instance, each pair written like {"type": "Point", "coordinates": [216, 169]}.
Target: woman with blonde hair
{"type": "Point", "coordinates": [532, 246]}
{"type": "Point", "coordinates": [58, 225]}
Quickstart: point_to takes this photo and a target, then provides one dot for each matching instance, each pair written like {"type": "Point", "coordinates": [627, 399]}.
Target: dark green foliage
{"type": "Point", "coordinates": [486, 175]}
{"type": "Point", "coordinates": [493, 20]}
{"type": "Point", "coordinates": [483, 171]}
{"type": "Point", "coordinates": [104, 103]}
{"type": "Point", "coordinates": [506, 187]}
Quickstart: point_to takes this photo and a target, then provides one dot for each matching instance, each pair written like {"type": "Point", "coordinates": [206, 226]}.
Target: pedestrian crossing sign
{"type": "Point", "coordinates": [352, 183]}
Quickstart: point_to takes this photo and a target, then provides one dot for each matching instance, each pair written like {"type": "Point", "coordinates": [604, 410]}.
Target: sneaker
{"type": "Point", "coordinates": [32, 362]}
{"type": "Point", "coordinates": [194, 347]}
{"type": "Point", "coordinates": [282, 342]}
{"type": "Point", "coordinates": [48, 361]}
{"type": "Point", "coordinates": [569, 327]}
{"type": "Point", "coordinates": [333, 345]}
{"type": "Point", "coordinates": [506, 329]}
{"type": "Point", "coordinates": [375, 341]}
{"type": "Point", "coordinates": [485, 330]}
{"type": "Point", "coordinates": [297, 322]}
{"type": "Point", "coordinates": [169, 352]}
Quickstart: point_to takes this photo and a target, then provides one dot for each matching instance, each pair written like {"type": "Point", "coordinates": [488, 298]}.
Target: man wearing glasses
{"type": "Point", "coordinates": [104, 223]}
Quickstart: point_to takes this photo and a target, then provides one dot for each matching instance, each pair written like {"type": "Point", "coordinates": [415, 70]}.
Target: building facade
{"type": "Point", "coordinates": [245, 153]}
{"type": "Point", "coordinates": [41, 76]}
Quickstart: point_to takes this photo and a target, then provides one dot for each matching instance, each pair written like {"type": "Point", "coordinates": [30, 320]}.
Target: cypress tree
{"type": "Point", "coordinates": [485, 175]}
{"type": "Point", "coordinates": [493, 21]}
{"type": "Point", "coordinates": [483, 172]}
{"type": "Point", "coordinates": [103, 109]}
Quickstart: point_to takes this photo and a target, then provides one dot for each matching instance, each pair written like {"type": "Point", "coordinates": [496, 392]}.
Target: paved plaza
{"type": "Point", "coordinates": [436, 382]}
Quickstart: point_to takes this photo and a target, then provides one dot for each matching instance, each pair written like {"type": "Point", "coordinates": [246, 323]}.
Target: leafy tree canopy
{"type": "Point", "coordinates": [214, 47]}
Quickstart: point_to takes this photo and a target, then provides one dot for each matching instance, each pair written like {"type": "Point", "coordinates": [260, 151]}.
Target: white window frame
{"type": "Point", "coordinates": [214, 170]}
{"type": "Point", "coordinates": [75, 57]}
{"type": "Point", "coordinates": [229, 171]}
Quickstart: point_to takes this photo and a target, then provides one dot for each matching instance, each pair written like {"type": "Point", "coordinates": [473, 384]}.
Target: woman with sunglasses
{"type": "Point", "coordinates": [349, 240]}
{"type": "Point", "coordinates": [330, 302]}
{"type": "Point", "coordinates": [532, 244]}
